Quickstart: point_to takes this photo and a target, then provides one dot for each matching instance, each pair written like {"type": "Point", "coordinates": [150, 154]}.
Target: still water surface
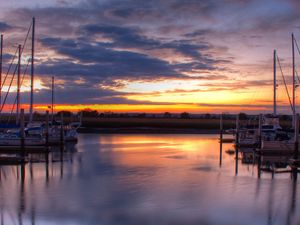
{"type": "Point", "coordinates": [145, 179]}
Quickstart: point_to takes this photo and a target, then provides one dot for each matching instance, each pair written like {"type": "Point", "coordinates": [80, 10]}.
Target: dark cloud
{"type": "Point", "coordinates": [65, 94]}
{"type": "Point", "coordinates": [131, 37]}
{"type": "Point", "coordinates": [98, 61]}
{"type": "Point", "coordinates": [5, 27]}
{"type": "Point", "coordinates": [199, 33]}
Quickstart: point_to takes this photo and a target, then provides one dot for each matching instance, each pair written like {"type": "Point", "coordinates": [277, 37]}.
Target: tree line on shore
{"type": "Point", "coordinates": [184, 115]}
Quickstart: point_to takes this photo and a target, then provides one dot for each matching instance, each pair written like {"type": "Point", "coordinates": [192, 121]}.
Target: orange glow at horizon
{"type": "Point", "coordinates": [125, 108]}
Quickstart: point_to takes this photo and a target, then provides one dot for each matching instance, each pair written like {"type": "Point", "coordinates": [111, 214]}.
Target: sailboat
{"type": "Point", "coordinates": [270, 128]}
{"type": "Point", "coordinates": [286, 146]}
{"type": "Point", "coordinates": [12, 137]}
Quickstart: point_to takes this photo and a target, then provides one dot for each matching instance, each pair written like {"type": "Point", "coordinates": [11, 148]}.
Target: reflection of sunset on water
{"type": "Point", "coordinates": [149, 179]}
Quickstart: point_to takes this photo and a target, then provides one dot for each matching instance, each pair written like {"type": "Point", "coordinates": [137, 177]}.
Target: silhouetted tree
{"type": "Point", "coordinates": [89, 113]}
{"type": "Point", "coordinates": [167, 115]}
{"type": "Point", "coordinates": [243, 116]}
{"type": "Point", "coordinates": [141, 115]}
{"type": "Point", "coordinates": [65, 113]}
{"type": "Point", "coordinates": [207, 116]}
{"type": "Point", "coordinates": [184, 115]}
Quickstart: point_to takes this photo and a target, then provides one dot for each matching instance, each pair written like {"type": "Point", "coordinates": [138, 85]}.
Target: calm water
{"type": "Point", "coordinates": [145, 179]}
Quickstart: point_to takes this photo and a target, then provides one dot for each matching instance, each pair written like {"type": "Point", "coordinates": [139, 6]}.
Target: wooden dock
{"type": "Point", "coordinates": [12, 160]}
{"type": "Point", "coordinates": [27, 149]}
{"type": "Point", "coordinates": [227, 140]}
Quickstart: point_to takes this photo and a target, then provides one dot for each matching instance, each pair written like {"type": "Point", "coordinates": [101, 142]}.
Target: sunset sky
{"type": "Point", "coordinates": [155, 56]}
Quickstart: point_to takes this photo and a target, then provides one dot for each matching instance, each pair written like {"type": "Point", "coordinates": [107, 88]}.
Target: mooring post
{"type": "Point", "coordinates": [237, 144]}
{"type": "Point", "coordinates": [296, 146]}
{"type": "Point", "coordinates": [259, 166]}
{"type": "Point", "coordinates": [61, 129]}
{"type": "Point", "coordinates": [47, 130]}
{"type": "Point", "coordinates": [296, 137]}
{"type": "Point", "coordinates": [22, 134]}
{"type": "Point", "coordinates": [221, 137]}
{"type": "Point", "coordinates": [237, 129]}
{"type": "Point", "coordinates": [260, 118]}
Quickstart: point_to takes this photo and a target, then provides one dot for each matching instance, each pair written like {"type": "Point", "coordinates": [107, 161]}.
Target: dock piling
{"type": "Point", "coordinates": [296, 145]}
{"type": "Point", "coordinates": [22, 134]}
{"type": "Point", "coordinates": [221, 137]}
{"type": "Point", "coordinates": [260, 119]}
{"type": "Point", "coordinates": [61, 130]}
{"type": "Point", "coordinates": [237, 144]}
{"type": "Point", "coordinates": [47, 129]}
{"type": "Point", "coordinates": [296, 137]}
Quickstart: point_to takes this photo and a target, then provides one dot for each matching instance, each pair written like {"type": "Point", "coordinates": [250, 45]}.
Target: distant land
{"type": "Point", "coordinates": [109, 122]}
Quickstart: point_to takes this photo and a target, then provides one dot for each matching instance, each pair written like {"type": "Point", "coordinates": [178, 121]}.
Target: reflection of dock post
{"type": "Point", "coordinates": [221, 137]}
{"type": "Point", "coordinates": [22, 127]}
{"type": "Point", "coordinates": [47, 166]}
{"type": "Point", "coordinates": [296, 145]}
{"type": "Point", "coordinates": [237, 144]}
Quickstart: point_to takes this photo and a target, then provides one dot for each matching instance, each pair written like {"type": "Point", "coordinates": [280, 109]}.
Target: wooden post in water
{"type": "Point", "coordinates": [47, 129]}
{"type": "Point", "coordinates": [259, 144]}
{"type": "Point", "coordinates": [296, 142]}
{"type": "Point", "coordinates": [22, 133]}
{"type": "Point", "coordinates": [237, 144]}
{"type": "Point", "coordinates": [61, 129]}
{"type": "Point", "coordinates": [260, 118]}
{"type": "Point", "coordinates": [259, 165]}
{"type": "Point", "coordinates": [296, 137]}
{"type": "Point", "coordinates": [221, 137]}
{"type": "Point", "coordinates": [47, 147]}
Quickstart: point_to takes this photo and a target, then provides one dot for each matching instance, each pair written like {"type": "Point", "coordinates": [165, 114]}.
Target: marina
{"type": "Point", "coordinates": [149, 113]}
{"type": "Point", "coordinates": [105, 177]}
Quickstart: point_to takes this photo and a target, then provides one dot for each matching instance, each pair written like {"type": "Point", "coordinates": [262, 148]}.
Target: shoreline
{"type": "Point", "coordinates": [145, 130]}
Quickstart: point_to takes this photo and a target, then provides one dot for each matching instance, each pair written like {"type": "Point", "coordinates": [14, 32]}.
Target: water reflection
{"type": "Point", "coordinates": [144, 179]}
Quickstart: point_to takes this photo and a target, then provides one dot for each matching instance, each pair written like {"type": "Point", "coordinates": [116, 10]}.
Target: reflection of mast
{"type": "Point", "coordinates": [21, 208]}
{"type": "Point", "coordinates": [293, 204]}
{"type": "Point", "coordinates": [47, 166]}
{"type": "Point", "coordinates": [61, 164]}
{"type": "Point", "coordinates": [270, 203]}
{"type": "Point", "coordinates": [2, 217]}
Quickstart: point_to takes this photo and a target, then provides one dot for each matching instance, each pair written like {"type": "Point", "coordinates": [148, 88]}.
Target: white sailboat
{"type": "Point", "coordinates": [287, 146]}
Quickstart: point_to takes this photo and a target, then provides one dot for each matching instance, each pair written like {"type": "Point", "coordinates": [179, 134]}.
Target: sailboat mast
{"type": "Point", "coordinates": [52, 99]}
{"type": "Point", "coordinates": [18, 86]}
{"type": "Point", "coordinates": [32, 71]}
{"type": "Point", "coordinates": [274, 88]}
{"type": "Point", "coordinates": [1, 58]}
{"type": "Point", "coordinates": [294, 80]}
